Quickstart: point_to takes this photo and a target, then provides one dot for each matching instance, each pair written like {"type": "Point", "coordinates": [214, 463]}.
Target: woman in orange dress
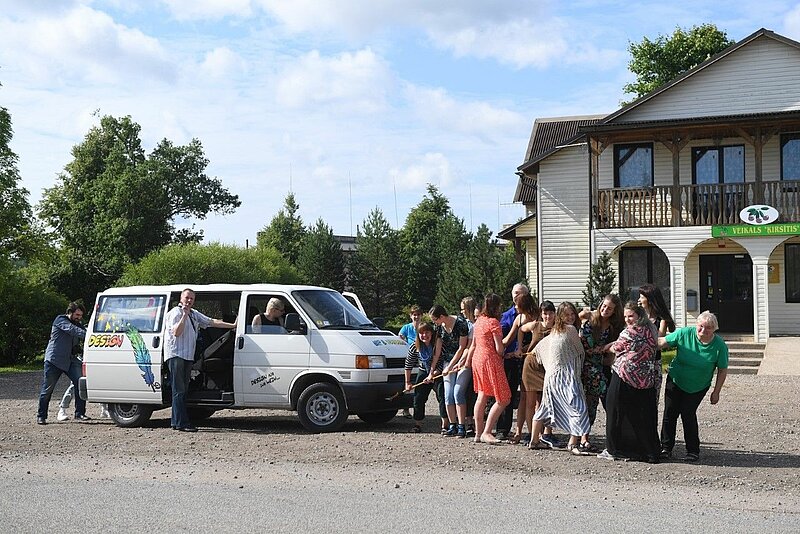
{"type": "Point", "coordinates": [485, 356]}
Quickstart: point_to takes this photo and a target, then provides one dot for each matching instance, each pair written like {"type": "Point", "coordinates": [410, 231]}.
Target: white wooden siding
{"type": "Point", "coordinates": [784, 318]}
{"type": "Point", "coordinates": [530, 264]}
{"type": "Point", "coordinates": [761, 77]}
{"type": "Point", "coordinates": [564, 219]}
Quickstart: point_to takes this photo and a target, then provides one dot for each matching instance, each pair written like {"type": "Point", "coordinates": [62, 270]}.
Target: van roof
{"type": "Point", "coordinates": [206, 287]}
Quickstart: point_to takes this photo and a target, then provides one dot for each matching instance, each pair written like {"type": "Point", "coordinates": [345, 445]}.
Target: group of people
{"type": "Point", "coordinates": [556, 365]}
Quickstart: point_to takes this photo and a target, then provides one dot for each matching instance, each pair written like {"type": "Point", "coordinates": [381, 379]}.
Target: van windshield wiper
{"type": "Point", "coordinates": [339, 327]}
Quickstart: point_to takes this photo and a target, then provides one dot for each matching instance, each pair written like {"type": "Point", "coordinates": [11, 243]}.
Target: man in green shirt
{"type": "Point", "coordinates": [700, 351]}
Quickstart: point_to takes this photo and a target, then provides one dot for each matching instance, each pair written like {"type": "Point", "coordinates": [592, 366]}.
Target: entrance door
{"type": "Point", "coordinates": [726, 288]}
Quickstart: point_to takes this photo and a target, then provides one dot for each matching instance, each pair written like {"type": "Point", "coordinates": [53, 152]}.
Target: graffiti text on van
{"type": "Point", "coordinates": [263, 380]}
{"type": "Point", "coordinates": [106, 340]}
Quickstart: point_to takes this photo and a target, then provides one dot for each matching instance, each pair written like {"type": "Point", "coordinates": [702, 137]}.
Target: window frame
{"type": "Point", "coordinates": [720, 162]}
{"type": "Point", "coordinates": [796, 268]}
{"type": "Point", "coordinates": [618, 148]}
{"type": "Point", "coordinates": [785, 138]}
{"type": "Point", "coordinates": [650, 270]}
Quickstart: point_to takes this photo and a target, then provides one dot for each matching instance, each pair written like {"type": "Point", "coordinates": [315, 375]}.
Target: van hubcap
{"type": "Point", "coordinates": [322, 408]}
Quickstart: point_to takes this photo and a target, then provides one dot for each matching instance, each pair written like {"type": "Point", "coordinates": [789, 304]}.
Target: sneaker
{"type": "Point", "coordinates": [605, 455]}
{"type": "Point", "coordinates": [41, 421]}
{"type": "Point", "coordinates": [461, 432]}
{"type": "Point", "coordinates": [62, 415]}
{"type": "Point", "coordinates": [550, 440]}
{"type": "Point", "coordinates": [470, 431]}
{"type": "Point", "coordinates": [104, 412]}
{"type": "Point", "coordinates": [501, 435]}
{"type": "Point", "coordinates": [82, 417]}
{"type": "Point", "coordinates": [452, 430]}
{"type": "Point", "coordinates": [691, 457]}
{"type": "Point", "coordinates": [665, 454]}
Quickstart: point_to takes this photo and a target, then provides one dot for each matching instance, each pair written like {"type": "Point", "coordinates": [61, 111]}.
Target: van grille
{"type": "Point", "coordinates": [395, 363]}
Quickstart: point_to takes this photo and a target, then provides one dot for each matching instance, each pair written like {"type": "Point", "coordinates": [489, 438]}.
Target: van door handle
{"type": "Point", "coordinates": [156, 341]}
{"type": "Point", "coordinates": [240, 341]}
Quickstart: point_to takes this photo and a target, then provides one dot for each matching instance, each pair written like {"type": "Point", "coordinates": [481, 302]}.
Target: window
{"type": "Point", "coordinates": [257, 305]}
{"type": "Point", "coordinates": [119, 313]}
{"type": "Point", "coordinates": [642, 265]}
{"type": "Point", "coordinates": [792, 252]}
{"type": "Point", "coordinates": [633, 165]}
{"type": "Point", "coordinates": [790, 156]}
{"type": "Point", "coordinates": [329, 309]}
{"type": "Point", "coordinates": [718, 165]}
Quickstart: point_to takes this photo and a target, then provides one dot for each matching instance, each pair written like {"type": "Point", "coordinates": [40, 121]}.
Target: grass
{"type": "Point", "coordinates": [35, 365]}
{"type": "Point", "coordinates": [666, 358]}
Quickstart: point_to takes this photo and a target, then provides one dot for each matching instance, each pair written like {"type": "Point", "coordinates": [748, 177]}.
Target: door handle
{"type": "Point", "coordinates": [240, 342]}
{"type": "Point", "coordinates": [156, 341]}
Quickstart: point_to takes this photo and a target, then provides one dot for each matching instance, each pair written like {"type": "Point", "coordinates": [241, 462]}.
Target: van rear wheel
{"type": "Point", "coordinates": [321, 408]}
{"type": "Point", "coordinates": [130, 415]}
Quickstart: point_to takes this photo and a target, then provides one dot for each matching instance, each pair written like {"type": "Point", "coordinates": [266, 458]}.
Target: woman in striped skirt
{"type": "Point", "coordinates": [563, 401]}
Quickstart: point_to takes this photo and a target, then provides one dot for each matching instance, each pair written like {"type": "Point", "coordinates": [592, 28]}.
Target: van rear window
{"type": "Point", "coordinates": [119, 313]}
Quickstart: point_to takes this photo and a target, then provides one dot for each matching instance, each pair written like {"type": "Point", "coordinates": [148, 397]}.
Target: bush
{"type": "Point", "coordinates": [194, 264]}
{"type": "Point", "coordinates": [30, 306]}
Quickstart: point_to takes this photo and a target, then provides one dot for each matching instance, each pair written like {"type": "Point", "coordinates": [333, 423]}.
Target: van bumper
{"type": "Point", "coordinates": [82, 388]}
{"type": "Point", "coordinates": [372, 397]}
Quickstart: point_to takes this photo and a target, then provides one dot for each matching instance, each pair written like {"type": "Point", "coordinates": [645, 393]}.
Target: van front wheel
{"type": "Point", "coordinates": [321, 408]}
{"type": "Point", "coordinates": [130, 415]}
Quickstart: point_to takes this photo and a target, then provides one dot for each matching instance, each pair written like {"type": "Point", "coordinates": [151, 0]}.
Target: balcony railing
{"type": "Point", "coordinates": [695, 205]}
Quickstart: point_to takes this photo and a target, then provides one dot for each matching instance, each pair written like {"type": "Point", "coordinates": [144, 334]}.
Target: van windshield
{"type": "Point", "coordinates": [329, 309]}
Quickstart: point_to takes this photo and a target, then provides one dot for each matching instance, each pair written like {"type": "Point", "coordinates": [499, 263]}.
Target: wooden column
{"type": "Point", "coordinates": [675, 144]}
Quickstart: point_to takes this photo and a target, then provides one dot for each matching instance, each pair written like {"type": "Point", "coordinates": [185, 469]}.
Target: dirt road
{"type": "Point", "coordinates": [258, 469]}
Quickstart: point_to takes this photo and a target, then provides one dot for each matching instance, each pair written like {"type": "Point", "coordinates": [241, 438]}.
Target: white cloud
{"type": "Point", "coordinates": [433, 168]}
{"type": "Point", "coordinates": [83, 43]}
{"type": "Point", "coordinates": [791, 23]}
{"type": "Point", "coordinates": [221, 63]}
{"type": "Point", "coordinates": [349, 81]}
{"type": "Point", "coordinates": [437, 108]}
{"type": "Point", "coordinates": [208, 9]}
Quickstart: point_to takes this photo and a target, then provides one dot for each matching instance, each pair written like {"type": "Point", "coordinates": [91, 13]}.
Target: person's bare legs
{"type": "Point", "coordinates": [491, 421]}
{"type": "Point", "coordinates": [536, 430]}
{"type": "Point", "coordinates": [480, 409]}
{"type": "Point", "coordinates": [522, 416]}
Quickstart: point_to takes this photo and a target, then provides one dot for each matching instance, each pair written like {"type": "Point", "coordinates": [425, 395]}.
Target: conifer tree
{"type": "Point", "coordinates": [602, 281]}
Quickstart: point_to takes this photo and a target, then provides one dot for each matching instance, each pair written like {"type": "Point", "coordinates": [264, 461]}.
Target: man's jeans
{"type": "Point", "coordinates": [51, 376]}
{"type": "Point", "coordinates": [180, 371]}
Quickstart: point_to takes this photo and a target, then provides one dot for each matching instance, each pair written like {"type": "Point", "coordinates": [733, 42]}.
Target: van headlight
{"type": "Point", "coordinates": [364, 361]}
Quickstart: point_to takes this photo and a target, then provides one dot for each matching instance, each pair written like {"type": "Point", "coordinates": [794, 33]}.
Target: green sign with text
{"type": "Point", "coordinates": [746, 230]}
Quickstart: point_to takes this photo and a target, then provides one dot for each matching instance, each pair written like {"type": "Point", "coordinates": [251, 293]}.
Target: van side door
{"type": "Point", "coordinates": [267, 357]}
{"type": "Point", "coordinates": [123, 351]}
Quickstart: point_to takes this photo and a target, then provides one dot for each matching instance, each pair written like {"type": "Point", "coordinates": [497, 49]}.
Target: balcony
{"type": "Point", "coordinates": [693, 205]}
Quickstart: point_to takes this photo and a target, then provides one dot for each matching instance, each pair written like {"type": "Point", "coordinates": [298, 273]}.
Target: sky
{"type": "Point", "coordinates": [350, 104]}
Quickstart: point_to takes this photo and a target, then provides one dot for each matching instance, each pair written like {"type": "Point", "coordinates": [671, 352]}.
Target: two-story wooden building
{"type": "Point", "coordinates": [660, 184]}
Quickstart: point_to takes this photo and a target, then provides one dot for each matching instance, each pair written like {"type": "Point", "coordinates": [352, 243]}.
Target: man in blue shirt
{"type": "Point", "coordinates": [65, 333]}
{"type": "Point", "coordinates": [512, 365]}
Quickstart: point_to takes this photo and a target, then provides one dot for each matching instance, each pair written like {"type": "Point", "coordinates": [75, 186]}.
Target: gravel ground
{"type": "Point", "coordinates": [384, 478]}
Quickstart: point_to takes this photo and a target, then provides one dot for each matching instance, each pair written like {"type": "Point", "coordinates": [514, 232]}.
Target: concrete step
{"type": "Point", "coordinates": [745, 345]}
{"type": "Point", "coordinates": [744, 362]}
{"type": "Point", "coordinates": [745, 353]}
{"type": "Point", "coordinates": [736, 370]}
{"type": "Point", "coordinates": [747, 338]}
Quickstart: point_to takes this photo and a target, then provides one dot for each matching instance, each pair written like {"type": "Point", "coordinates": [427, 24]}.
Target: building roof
{"type": "Point", "coordinates": [550, 134]}
{"type": "Point", "coordinates": [510, 232]}
{"type": "Point", "coordinates": [526, 190]}
{"type": "Point", "coordinates": [694, 70]}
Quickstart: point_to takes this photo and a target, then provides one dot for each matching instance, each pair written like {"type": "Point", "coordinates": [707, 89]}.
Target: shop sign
{"type": "Point", "coordinates": [744, 230]}
{"type": "Point", "coordinates": [758, 214]}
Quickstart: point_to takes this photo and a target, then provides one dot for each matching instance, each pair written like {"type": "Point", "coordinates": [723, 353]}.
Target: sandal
{"type": "Point", "coordinates": [589, 448]}
{"type": "Point", "coordinates": [577, 450]}
{"type": "Point", "coordinates": [537, 446]}
{"type": "Point", "coordinates": [515, 439]}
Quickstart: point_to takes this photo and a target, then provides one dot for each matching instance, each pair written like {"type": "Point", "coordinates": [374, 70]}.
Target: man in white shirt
{"type": "Point", "coordinates": [180, 342]}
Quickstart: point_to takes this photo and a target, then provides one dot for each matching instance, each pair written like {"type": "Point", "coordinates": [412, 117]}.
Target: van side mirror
{"type": "Point", "coordinates": [380, 322]}
{"type": "Point", "coordinates": [292, 323]}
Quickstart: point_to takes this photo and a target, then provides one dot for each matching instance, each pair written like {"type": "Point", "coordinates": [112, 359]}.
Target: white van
{"type": "Point", "coordinates": [326, 362]}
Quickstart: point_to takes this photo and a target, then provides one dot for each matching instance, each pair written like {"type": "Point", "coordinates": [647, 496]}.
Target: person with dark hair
{"type": "Point", "coordinates": [422, 357]}
{"type": "Point", "coordinates": [602, 327]}
{"type": "Point", "coordinates": [527, 313]}
{"type": "Point", "coordinates": [452, 336]}
{"type": "Point", "coordinates": [465, 387]}
{"type": "Point", "coordinates": [66, 333]}
{"type": "Point", "coordinates": [180, 339]}
{"type": "Point", "coordinates": [651, 299]}
{"type": "Point", "coordinates": [632, 397]}
{"type": "Point", "coordinates": [563, 401]}
{"type": "Point", "coordinates": [408, 333]}
{"type": "Point", "coordinates": [485, 357]}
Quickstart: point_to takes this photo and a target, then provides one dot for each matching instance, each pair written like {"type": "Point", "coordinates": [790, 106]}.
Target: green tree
{"type": "Point", "coordinates": [194, 263]}
{"type": "Point", "coordinates": [656, 62]}
{"type": "Point", "coordinates": [430, 239]}
{"type": "Point", "coordinates": [321, 260]}
{"type": "Point", "coordinates": [482, 267]}
{"type": "Point", "coordinates": [376, 271]}
{"type": "Point", "coordinates": [113, 204]}
{"type": "Point", "coordinates": [285, 231]}
{"type": "Point", "coordinates": [602, 281]}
